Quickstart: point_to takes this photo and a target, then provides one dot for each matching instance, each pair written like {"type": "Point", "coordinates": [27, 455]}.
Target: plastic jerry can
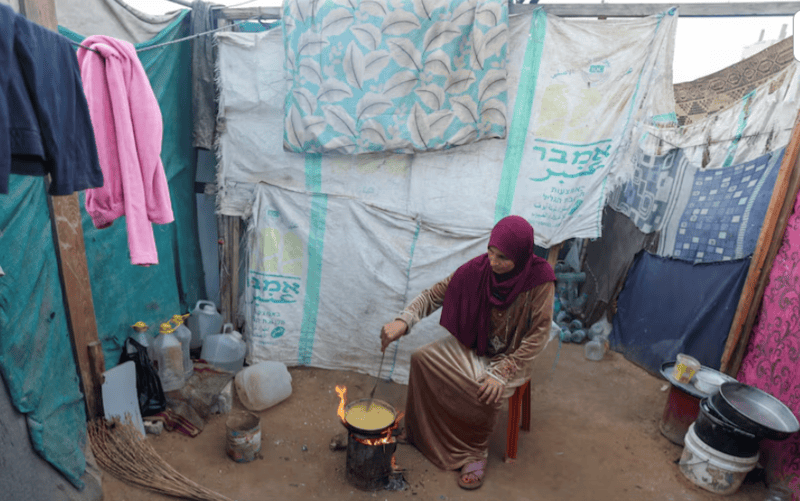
{"type": "Point", "coordinates": [204, 320]}
{"type": "Point", "coordinates": [184, 335]}
{"type": "Point", "coordinates": [142, 337]}
{"type": "Point", "coordinates": [168, 358]}
{"type": "Point", "coordinates": [263, 385]}
{"type": "Point", "coordinates": [225, 350]}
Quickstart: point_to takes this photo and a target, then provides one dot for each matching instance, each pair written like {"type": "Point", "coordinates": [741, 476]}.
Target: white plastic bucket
{"type": "Point", "coordinates": [710, 469]}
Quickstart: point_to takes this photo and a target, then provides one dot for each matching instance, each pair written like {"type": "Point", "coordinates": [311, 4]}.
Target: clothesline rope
{"type": "Point", "coordinates": [190, 37]}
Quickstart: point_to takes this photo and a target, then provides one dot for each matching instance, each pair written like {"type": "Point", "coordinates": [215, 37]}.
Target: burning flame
{"type": "Point", "coordinates": [386, 436]}
{"type": "Point", "coordinates": [342, 392]}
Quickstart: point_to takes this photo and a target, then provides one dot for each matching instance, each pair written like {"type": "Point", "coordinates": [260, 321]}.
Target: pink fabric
{"type": "Point", "coordinates": [772, 360]}
{"type": "Point", "coordinates": [128, 129]}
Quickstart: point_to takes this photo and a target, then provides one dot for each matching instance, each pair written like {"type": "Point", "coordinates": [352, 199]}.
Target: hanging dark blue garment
{"type": "Point", "coordinates": [669, 306]}
{"type": "Point", "coordinates": [6, 55]}
{"type": "Point", "coordinates": [50, 131]}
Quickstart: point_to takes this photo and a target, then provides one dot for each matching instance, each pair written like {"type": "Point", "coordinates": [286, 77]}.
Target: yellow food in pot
{"type": "Point", "coordinates": [375, 418]}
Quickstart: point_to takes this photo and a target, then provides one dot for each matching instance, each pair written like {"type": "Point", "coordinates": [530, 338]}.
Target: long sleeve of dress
{"type": "Point", "coordinates": [425, 303]}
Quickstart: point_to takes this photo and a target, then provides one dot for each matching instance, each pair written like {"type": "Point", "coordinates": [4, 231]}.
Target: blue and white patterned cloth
{"type": "Point", "coordinates": [398, 75]}
{"type": "Point", "coordinates": [704, 215]}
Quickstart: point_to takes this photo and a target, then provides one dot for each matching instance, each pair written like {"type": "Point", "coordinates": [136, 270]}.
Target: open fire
{"type": "Point", "coordinates": [370, 453]}
{"type": "Point", "coordinates": [386, 436]}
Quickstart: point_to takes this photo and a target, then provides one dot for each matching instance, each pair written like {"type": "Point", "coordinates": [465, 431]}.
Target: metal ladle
{"type": "Point", "coordinates": [377, 380]}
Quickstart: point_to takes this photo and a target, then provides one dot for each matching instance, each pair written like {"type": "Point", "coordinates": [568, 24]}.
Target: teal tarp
{"type": "Point", "coordinates": [36, 358]}
{"type": "Point", "coordinates": [123, 293]}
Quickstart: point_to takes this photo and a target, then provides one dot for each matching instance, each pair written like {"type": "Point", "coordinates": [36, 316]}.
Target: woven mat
{"type": "Point", "coordinates": [705, 96]}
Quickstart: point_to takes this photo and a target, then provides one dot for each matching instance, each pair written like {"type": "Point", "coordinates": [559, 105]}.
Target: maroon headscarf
{"type": "Point", "coordinates": [475, 288]}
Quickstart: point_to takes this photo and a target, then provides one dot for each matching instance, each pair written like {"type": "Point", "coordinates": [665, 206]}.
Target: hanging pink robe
{"type": "Point", "coordinates": [128, 128]}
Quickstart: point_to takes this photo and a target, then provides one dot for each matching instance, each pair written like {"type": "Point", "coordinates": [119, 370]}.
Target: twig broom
{"type": "Point", "coordinates": [121, 450]}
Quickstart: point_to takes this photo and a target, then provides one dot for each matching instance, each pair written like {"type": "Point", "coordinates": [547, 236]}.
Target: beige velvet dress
{"type": "Point", "coordinates": [444, 418]}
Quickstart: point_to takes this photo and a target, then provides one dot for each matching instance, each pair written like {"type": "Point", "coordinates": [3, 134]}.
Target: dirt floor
{"type": "Point", "coordinates": [594, 436]}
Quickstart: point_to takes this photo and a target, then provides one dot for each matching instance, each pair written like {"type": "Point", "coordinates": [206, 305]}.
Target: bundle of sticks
{"type": "Point", "coordinates": [121, 450]}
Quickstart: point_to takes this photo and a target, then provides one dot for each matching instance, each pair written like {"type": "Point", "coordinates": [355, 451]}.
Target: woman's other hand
{"type": "Point", "coordinates": [491, 390]}
{"type": "Point", "coordinates": [391, 332]}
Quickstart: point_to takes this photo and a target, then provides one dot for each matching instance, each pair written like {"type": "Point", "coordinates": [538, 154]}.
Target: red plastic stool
{"type": "Point", "coordinates": [519, 416]}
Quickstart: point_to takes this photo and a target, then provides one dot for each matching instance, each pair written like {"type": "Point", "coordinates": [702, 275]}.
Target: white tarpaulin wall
{"type": "Point", "coordinates": [339, 244]}
{"type": "Point", "coordinates": [601, 75]}
{"type": "Point", "coordinates": [326, 272]}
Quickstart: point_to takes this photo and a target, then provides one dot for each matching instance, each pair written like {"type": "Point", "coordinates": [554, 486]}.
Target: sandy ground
{"type": "Point", "coordinates": [594, 436]}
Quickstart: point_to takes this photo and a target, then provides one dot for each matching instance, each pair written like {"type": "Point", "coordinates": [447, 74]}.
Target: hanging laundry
{"type": "Point", "coordinates": [399, 77]}
{"type": "Point", "coordinates": [128, 129]}
{"type": "Point", "coordinates": [204, 55]}
{"type": "Point", "coordinates": [44, 119]}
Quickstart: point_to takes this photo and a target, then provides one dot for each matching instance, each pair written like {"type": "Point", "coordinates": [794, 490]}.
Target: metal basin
{"type": "Point", "coordinates": [755, 411]}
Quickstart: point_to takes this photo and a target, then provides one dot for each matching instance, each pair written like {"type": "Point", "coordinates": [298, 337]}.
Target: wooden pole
{"type": "Point", "coordinates": [604, 10]}
{"type": "Point", "coordinates": [552, 255]}
{"type": "Point", "coordinates": [769, 241]}
{"type": "Point", "coordinates": [71, 253]}
{"type": "Point", "coordinates": [229, 229]}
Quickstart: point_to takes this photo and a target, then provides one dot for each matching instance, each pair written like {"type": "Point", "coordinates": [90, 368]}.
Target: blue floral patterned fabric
{"type": "Point", "coordinates": [398, 75]}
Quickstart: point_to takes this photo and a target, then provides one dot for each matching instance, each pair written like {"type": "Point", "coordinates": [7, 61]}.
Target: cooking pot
{"type": "Point", "coordinates": [754, 411]}
{"type": "Point", "coordinates": [723, 436]}
{"type": "Point", "coordinates": [369, 433]}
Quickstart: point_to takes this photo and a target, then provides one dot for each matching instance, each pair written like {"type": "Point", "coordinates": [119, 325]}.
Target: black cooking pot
{"type": "Point", "coordinates": [754, 411]}
{"type": "Point", "coordinates": [722, 436]}
{"type": "Point", "coordinates": [369, 433]}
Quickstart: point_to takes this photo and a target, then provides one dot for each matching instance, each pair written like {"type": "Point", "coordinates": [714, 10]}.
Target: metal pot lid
{"type": "Point", "coordinates": [666, 371]}
{"type": "Point", "coordinates": [759, 407]}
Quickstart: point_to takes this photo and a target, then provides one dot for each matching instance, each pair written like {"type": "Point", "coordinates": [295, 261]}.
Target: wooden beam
{"type": "Point", "coordinates": [728, 9]}
{"type": "Point", "coordinates": [770, 239]}
{"type": "Point", "coordinates": [71, 253]}
{"type": "Point", "coordinates": [605, 10]}
{"type": "Point", "coordinates": [229, 230]}
{"type": "Point", "coordinates": [552, 255]}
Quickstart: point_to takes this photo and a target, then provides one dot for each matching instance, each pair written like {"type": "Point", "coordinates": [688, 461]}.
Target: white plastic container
{"type": "Point", "coordinates": [204, 320]}
{"type": "Point", "coordinates": [711, 469]}
{"type": "Point", "coordinates": [225, 350]}
{"type": "Point", "coordinates": [596, 348]}
{"type": "Point", "coordinates": [263, 385]}
{"type": "Point", "coordinates": [184, 335]}
{"type": "Point", "coordinates": [168, 358]}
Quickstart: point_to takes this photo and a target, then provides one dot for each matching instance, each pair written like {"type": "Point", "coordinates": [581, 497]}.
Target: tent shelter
{"type": "Point", "coordinates": [291, 220]}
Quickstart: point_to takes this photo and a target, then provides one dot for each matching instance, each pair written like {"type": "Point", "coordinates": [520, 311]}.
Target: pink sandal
{"type": "Point", "coordinates": [471, 475]}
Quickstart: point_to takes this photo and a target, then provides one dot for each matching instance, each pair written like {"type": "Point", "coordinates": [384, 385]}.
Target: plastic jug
{"type": "Point", "coordinates": [596, 348]}
{"type": "Point", "coordinates": [204, 320]}
{"type": "Point", "coordinates": [168, 358]}
{"type": "Point", "coordinates": [263, 385]}
{"type": "Point", "coordinates": [143, 337]}
{"type": "Point", "coordinates": [225, 350]}
{"type": "Point", "coordinates": [184, 335]}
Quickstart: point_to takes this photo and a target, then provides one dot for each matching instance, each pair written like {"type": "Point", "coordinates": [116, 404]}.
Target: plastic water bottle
{"type": "Point", "coordinates": [578, 335]}
{"type": "Point", "coordinates": [169, 359]}
{"type": "Point", "coordinates": [184, 335]}
{"type": "Point", "coordinates": [595, 349]}
{"type": "Point", "coordinates": [263, 385]}
{"type": "Point", "coordinates": [142, 337]}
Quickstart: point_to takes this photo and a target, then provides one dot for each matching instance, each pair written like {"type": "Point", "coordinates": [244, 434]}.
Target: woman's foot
{"type": "Point", "coordinates": [471, 476]}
